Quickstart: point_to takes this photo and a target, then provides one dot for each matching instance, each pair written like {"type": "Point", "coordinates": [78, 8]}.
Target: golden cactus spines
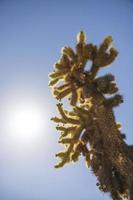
{"type": "Point", "coordinates": [81, 37]}
{"type": "Point", "coordinates": [69, 52]}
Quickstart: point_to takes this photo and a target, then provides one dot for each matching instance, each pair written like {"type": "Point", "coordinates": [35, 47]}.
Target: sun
{"type": "Point", "coordinates": [26, 122]}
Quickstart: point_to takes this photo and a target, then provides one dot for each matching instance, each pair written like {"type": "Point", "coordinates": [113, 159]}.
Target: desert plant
{"type": "Point", "coordinates": [90, 128]}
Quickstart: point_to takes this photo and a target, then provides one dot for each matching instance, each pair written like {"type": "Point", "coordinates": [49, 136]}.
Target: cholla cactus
{"type": "Point", "coordinates": [90, 128]}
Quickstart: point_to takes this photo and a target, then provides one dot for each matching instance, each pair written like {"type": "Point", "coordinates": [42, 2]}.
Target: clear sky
{"type": "Point", "coordinates": [32, 33]}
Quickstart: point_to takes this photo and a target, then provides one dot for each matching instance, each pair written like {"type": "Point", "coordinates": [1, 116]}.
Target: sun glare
{"type": "Point", "coordinates": [25, 123]}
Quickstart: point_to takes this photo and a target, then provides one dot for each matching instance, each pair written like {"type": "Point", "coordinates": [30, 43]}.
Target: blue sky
{"type": "Point", "coordinates": [32, 32]}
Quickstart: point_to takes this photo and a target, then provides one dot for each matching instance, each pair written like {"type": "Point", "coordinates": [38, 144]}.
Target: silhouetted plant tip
{"type": "Point", "coordinates": [92, 120]}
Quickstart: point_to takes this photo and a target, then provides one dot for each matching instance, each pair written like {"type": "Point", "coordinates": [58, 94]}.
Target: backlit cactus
{"type": "Point", "coordinates": [90, 128]}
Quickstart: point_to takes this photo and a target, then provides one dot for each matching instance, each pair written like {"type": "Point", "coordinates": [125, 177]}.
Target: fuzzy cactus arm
{"type": "Point", "coordinates": [92, 120]}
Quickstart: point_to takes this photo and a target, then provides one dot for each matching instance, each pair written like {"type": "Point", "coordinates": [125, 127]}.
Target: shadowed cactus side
{"type": "Point", "coordinates": [90, 128]}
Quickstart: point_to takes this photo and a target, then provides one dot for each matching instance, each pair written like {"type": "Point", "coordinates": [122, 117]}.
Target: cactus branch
{"type": "Point", "coordinates": [92, 120]}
